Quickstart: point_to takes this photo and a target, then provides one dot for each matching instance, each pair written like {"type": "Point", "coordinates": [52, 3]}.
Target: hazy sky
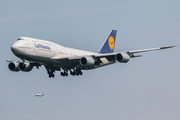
{"type": "Point", "coordinates": [145, 88]}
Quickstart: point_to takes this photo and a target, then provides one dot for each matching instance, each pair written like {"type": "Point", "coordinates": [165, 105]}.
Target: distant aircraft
{"type": "Point", "coordinates": [36, 52]}
{"type": "Point", "coordinates": [39, 95]}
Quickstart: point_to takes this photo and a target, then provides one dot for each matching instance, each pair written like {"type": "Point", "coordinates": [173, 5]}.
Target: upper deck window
{"type": "Point", "coordinates": [20, 39]}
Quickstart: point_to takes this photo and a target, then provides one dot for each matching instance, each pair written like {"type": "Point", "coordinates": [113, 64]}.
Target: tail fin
{"type": "Point", "coordinates": [108, 45]}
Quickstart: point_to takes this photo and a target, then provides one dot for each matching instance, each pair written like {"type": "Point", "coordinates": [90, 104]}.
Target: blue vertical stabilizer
{"type": "Point", "coordinates": [109, 43]}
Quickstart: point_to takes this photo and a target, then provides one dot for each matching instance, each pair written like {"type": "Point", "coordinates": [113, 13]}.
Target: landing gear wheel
{"type": "Point", "coordinates": [53, 75]}
{"type": "Point", "coordinates": [73, 73]}
{"type": "Point", "coordinates": [49, 75]}
{"type": "Point", "coordinates": [63, 74]}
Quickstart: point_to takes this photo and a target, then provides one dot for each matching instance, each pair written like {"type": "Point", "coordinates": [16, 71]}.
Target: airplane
{"type": "Point", "coordinates": [39, 95]}
{"type": "Point", "coordinates": [36, 52]}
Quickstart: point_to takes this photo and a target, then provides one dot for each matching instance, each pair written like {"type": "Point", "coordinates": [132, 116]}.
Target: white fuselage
{"type": "Point", "coordinates": [44, 51]}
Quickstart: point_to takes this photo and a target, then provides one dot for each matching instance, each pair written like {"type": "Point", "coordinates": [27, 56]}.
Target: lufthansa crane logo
{"type": "Point", "coordinates": [111, 42]}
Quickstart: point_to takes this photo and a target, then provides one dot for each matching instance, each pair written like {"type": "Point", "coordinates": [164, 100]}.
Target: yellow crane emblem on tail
{"type": "Point", "coordinates": [111, 42]}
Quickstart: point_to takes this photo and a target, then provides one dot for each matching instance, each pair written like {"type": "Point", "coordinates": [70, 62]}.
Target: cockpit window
{"type": "Point", "coordinates": [20, 39]}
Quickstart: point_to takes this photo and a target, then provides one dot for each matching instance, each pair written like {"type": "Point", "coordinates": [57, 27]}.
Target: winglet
{"type": "Point", "coordinates": [108, 45]}
{"type": "Point", "coordinates": [168, 47]}
{"type": "Point", "coordinates": [151, 49]}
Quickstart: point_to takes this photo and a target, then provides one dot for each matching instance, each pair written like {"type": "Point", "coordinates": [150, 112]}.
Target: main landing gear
{"type": "Point", "coordinates": [76, 71]}
{"type": "Point", "coordinates": [51, 73]}
{"type": "Point", "coordinates": [65, 73]}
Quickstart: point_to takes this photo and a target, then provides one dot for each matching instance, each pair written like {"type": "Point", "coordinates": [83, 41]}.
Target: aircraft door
{"type": "Point", "coordinates": [27, 47]}
{"type": "Point", "coordinates": [34, 49]}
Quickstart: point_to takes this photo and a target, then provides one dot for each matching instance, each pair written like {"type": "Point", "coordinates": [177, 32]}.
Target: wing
{"type": "Point", "coordinates": [131, 53]}
{"type": "Point", "coordinates": [146, 50]}
{"type": "Point", "coordinates": [99, 60]}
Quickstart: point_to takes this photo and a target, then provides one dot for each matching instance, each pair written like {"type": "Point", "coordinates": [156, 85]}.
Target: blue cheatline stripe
{"type": "Point", "coordinates": [109, 43]}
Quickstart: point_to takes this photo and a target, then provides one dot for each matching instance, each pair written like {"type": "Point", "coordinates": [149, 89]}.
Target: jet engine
{"type": "Point", "coordinates": [87, 61]}
{"type": "Point", "coordinates": [122, 57]}
{"type": "Point", "coordinates": [14, 66]}
{"type": "Point", "coordinates": [25, 67]}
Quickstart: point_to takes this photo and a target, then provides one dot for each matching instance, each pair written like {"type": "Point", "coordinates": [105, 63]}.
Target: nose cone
{"type": "Point", "coordinates": [18, 47]}
{"type": "Point", "coordinates": [14, 48]}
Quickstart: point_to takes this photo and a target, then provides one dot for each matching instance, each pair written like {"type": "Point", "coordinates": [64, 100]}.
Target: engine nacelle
{"type": "Point", "coordinates": [14, 66]}
{"type": "Point", "coordinates": [122, 57]}
{"type": "Point", "coordinates": [87, 61]}
{"type": "Point", "coordinates": [25, 67]}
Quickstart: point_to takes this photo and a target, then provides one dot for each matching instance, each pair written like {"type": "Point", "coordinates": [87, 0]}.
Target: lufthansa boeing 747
{"type": "Point", "coordinates": [35, 52]}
